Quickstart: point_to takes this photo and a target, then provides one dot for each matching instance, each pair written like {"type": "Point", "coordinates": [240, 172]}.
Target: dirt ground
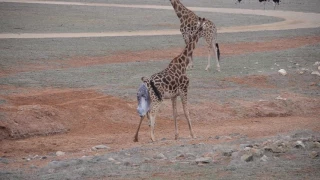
{"type": "Point", "coordinates": [74, 120]}
{"type": "Point", "coordinates": [37, 122]}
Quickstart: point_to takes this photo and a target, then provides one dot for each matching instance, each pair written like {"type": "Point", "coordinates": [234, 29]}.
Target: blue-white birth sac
{"type": "Point", "coordinates": [143, 100]}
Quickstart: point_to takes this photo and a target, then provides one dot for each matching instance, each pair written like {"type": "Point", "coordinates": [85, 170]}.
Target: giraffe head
{"type": "Point", "coordinates": [143, 100]}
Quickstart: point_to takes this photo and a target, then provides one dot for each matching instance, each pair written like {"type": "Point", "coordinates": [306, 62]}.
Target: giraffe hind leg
{"type": "Point", "coordinates": [184, 101]}
{"type": "Point", "coordinates": [175, 113]}
{"type": "Point", "coordinates": [217, 52]}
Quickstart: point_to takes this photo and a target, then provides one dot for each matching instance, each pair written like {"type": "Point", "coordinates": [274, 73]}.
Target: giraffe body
{"type": "Point", "coordinates": [189, 23]}
{"type": "Point", "coordinates": [169, 84]}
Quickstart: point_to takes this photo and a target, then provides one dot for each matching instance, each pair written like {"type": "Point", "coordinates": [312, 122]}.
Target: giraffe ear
{"type": "Point", "coordinates": [144, 79]}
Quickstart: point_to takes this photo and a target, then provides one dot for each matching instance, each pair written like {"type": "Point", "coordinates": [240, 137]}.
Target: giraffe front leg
{"type": "Point", "coordinates": [208, 65]}
{"type": "Point", "coordinates": [175, 113]}
{"type": "Point", "coordinates": [152, 124]}
{"type": "Point", "coordinates": [136, 135]}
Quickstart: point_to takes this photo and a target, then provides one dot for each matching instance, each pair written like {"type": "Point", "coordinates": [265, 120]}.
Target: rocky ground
{"type": "Point", "coordinates": [68, 107]}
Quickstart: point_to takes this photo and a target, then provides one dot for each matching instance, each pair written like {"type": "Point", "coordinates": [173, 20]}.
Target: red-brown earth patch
{"type": "Point", "coordinates": [93, 118]}
{"type": "Point", "coordinates": [229, 49]}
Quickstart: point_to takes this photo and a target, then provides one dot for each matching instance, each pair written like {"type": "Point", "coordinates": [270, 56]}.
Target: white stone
{"type": "Point", "coordinates": [319, 68]}
{"type": "Point", "coordinates": [316, 73]}
{"type": "Point", "coordinates": [299, 144]}
{"type": "Point", "coordinates": [316, 63]}
{"type": "Point", "coordinates": [111, 159]}
{"type": "Point", "coordinates": [280, 98]}
{"type": "Point", "coordinates": [60, 153]}
{"type": "Point", "coordinates": [264, 158]}
{"type": "Point", "coordinates": [159, 156]}
{"type": "Point", "coordinates": [100, 147]}
{"type": "Point", "coordinates": [282, 72]}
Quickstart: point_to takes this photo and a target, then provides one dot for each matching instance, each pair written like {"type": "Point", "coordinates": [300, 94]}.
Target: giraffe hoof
{"type": "Point", "coordinates": [135, 140]}
{"type": "Point", "coordinates": [153, 139]}
{"type": "Point", "coordinates": [176, 137]}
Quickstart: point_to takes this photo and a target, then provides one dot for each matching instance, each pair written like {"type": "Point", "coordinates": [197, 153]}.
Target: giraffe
{"type": "Point", "coordinates": [189, 23]}
{"type": "Point", "coordinates": [167, 84]}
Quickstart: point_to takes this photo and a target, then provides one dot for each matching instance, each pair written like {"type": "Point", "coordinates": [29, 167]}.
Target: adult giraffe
{"type": "Point", "coordinates": [189, 23]}
{"type": "Point", "coordinates": [168, 84]}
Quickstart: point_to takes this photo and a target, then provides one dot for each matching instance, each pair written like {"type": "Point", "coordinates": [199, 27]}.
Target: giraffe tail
{"type": "Point", "coordinates": [218, 51]}
{"type": "Point", "coordinates": [156, 91]}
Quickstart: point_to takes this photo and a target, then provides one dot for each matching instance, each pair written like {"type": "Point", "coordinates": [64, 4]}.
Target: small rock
{"type": "Point", "coordinates": [313, 84]}
{"type": "Point", "coordinates": [60, 153]}
{"type": "Point", "coordinates": [100, 147]}
{"type": "Point", "coordinates": [225, 138]}
{"type": "Point", "coordinates": [127, 163]}
{"type": "Point", "coordinates": [275, 149]}
{"type": "Point", "coordinates": [242, 146]}
{"type": "Point", "coordinates": [180, 157]}
{"type": "Point", "coordinates": [282, 72]}
{"type": "Point", "coordinates": [319, 68]}
{"type": "Point", "coordinates": [127, 154]}
{"type": "Point", "coordinates": [247, 148]}
{"type": "Point", "coordinates": [203, 160]}
{"type": "Point", "coordinates": [117, 163]}
{"type": "Point", "coordinates": [190, 156]}
{"type": "Point", "coordinates": [314, 154]}
{"type": "Point", "coordinates": [159, 156]}
{"type": "Point", "coordinates": [299, 144]}
{"type": "Point", "coordinates": [316, 63]}
{"type": "Point", "coordinates": [264, 158]}
{"type": "Point", "coordinates": [111, 159]}
{"type": "Point", "coordinates": [201, 164]}
{"type": "Point", "coordinates": [147, 159]}
{"type": "Point", "coordinates": [256, 152]}
{"type": "Point", "coordinates": [228, 153]}
{"type": "Point", "coordinates": [316, 145]}
{"type": "Point", "coordinates": [316, 73]}
{"type": "Point", "coordinates": [247, 157]}
{"type": "Point", "coordinates": [281, 98]}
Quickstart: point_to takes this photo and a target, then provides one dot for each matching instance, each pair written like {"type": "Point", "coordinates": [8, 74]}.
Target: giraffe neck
{"type": "Point", "coordinates": [179, 8]}
{"type": "Point", "coordinates": [180, 63]}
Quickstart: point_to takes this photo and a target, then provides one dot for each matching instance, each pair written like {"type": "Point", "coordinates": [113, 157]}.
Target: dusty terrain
{"type": "Point", "coordinates": [250, 121]}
